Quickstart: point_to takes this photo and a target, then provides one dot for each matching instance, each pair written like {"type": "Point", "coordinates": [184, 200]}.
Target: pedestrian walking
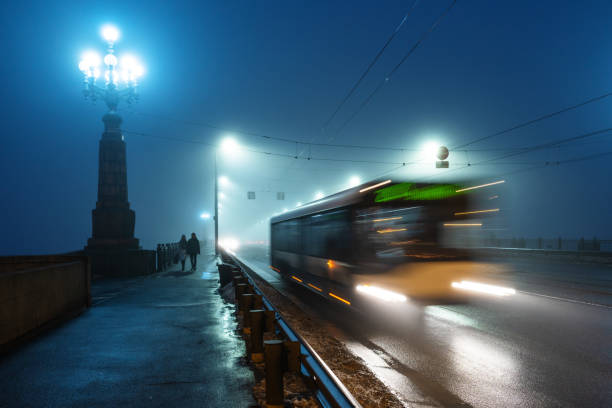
{"type": "Point", "coordinates": [183, 251]}
{"type": "Point", "coordinates": [193, 249]}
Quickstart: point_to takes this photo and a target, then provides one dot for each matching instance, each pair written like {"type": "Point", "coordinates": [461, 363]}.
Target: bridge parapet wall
{"type": "Point", "coordinates": [37, 292]}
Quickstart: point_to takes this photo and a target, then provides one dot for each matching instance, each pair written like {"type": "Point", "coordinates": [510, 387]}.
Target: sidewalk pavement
{"type": "Point", "coordinates": [165, 340]}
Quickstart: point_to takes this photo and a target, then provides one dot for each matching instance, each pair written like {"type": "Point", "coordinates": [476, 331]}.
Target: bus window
{"type": "Point", "coordinates": [328, 235]}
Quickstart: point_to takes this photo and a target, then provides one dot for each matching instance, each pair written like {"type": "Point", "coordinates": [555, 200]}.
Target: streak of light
{"type": "Point", "coordinates": [480, 186]}
{"type": "Point", "coordinates": [374, 186]}
{"type": "Point", "coordinates": [296, 278]}
{"type": "Point", "coordinates": [389, 230]}
{"type": "Point", "coordinates": [339, 298]}
{"type": "Point", "coordinates": [382, 294]}
{"type": "Point", "coordinates": [387, 219]}
{"type": "Point", "coordinates": [274, 269]}
{"type": "Point", "coordinates": [440, 312]}
{"type": "Point", "coordinates": [315, 287]}
{"type": "Point", "coordinates": [476, 224]}
{"type": "Point", "coordinates": [493, 197]}
{"type": "Point", "coordinates": [330, 264]}
{"type": "Point", "coordinates": [483, 288]}
{"type": "Point", "coordinates": [477, 212]}
{"type": "Point", "coordinates": [470, 350]}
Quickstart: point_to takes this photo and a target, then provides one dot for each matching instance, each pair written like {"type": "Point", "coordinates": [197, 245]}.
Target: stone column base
{"type": "Point", "coordinates": [121, 262]}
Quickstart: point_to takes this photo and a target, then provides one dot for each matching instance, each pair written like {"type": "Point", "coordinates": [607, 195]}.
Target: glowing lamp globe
{"type": "Point", "coordinates": [110, 33]}
{"type": "Point", "coordinates": [83, 66]}
{"type": "Point", "coordinates": [442, 153]}
{"type": "Point", "coordinates": [229, 145]}
{"type": "Point", "coordinates": [110, 60]}
{"type": "Point", "coordinates": [354, 181]}
{"type": "Point", "coordinates": [430, 150]}
{"type": "Point", "coordinates": [90, 60]}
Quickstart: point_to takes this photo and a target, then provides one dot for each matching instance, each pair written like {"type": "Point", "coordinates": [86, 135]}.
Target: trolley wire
{"type": "Point", "coordinates": [400, 164]}
{"type": "Point", "coordinates": [458, 148]}
{"type": "Point", "coordinates": [532, 121]}
{"type": "Point", "coordinates": [372, 63]}
{"type": "Point", "coordinates": [268, 153]}
{"type": "Point", "coordinates": [541, 146]}
{"type": "Point", "coordinates": [387, 78]}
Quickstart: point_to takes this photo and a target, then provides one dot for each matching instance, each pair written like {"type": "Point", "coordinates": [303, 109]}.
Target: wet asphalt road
{"type": "Point", "coordinates": [548, 346]}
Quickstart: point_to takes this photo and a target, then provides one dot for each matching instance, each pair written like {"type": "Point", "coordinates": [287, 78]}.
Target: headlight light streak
{"type": "Point", "coordinates": [382, 294]}
{"type": "Point", "coordinates": [480, 186]}
{"type": "Point", "coordinates": [483, 288]}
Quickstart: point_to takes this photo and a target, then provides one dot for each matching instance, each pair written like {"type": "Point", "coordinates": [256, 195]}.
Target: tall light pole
{"type": "Point", "coordinates": [111, 80]}
{"type": "Point", "coordinates": [216, 207]}
{"type": "Point", "coordinates": [228, 146]}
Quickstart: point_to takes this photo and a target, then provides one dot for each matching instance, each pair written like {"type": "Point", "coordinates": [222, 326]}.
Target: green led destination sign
{"type": "Point", "coordinates": [410, 191]}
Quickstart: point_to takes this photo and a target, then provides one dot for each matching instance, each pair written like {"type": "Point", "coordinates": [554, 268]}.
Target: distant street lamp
{"type": "Point", "coordinates": [228, 146]}
{"type": "Point", "coordinates": [434, 150]}
{"type": "Point", "coordinates": [354, 182]}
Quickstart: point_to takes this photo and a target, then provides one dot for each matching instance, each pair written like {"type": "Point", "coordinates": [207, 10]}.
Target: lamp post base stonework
{"type": "Point", "coordinates": [113, 249]}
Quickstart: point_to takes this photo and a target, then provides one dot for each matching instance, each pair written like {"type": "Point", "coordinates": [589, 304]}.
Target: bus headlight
{"type": "Point", "coordinates": [483, 288]}
{"type": "Point", "coordinates": [382, 294]}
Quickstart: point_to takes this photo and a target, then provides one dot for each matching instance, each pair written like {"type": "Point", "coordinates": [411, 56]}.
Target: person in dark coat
{"type": "Point", "coordinates": [183, 251]}
{"type": "Point", "coordinates": [193, 249]}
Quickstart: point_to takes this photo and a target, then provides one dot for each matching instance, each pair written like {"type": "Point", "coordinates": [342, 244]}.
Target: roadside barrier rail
{"type": "Point", "coordinates": [166, 254]}
{"type": "Point", "coordinates": [330, 392]}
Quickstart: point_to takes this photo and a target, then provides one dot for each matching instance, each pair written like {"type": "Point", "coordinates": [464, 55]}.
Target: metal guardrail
{"type": "Point", "coordinates": [330, 390]}
{"type": "Point", "coordinates": [166, 254]}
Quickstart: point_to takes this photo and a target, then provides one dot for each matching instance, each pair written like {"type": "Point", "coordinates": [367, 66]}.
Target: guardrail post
{"type": "Point", "coordinates": [273, 350]}
{"type": "Point", "coordinates": [159, 260]}
{"type": "Point", "coordinates": [270, 318]}
{"type": "Point", "coordinates": [225, 274]}
{"type": "Point", "coordinates": [246, 301]}
{"type": "Point", "coordinates": [292, 350]}
{"type": "Point", "coordinates": [257, 301]}
{"type": "Point", "coordinates": [167, 259]}
{"type": "Point", "coordinates": [257, 325]}
{"type": "Point", "coordinates": [240, 290]}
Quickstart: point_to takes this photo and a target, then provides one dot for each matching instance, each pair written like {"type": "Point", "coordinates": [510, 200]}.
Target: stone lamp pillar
{"type": "Point", "coordinates": [112, 220]}
{"type": "Point", "coordinates": [112, 247]}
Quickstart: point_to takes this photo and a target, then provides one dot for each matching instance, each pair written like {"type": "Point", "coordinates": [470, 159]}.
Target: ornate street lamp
{"type": "Point", "coordinates": [112, 247]}
{"type": "Point", "coordinates": [120, 77]}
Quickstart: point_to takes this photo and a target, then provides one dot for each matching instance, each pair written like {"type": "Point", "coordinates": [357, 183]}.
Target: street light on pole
{"type": "Point", "coordinates": [228, 146]}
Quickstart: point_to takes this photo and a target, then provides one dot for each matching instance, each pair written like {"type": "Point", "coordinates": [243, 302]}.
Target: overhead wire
{"type": "Point", "coordinates": [387, 78]}
{"type": "Point", "coordinates": [267, 153]}
{"type": "Point", "coordinates": [559, 163]}
{"type": "Point", "coordinates": [532, 121]}
{"type": "Point", "coordinates": [400, 164]}
{"type": "Point", "coordinates": [369, 68]}
{"type": "Point", "coordinates": [302, 143]}
{"type": "Point", "coordinates": [541, 146]}
{"type": "Point", "coordinates": [458, 148]}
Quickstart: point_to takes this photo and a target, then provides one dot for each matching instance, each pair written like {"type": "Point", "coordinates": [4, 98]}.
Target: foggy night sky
{"type": "Point", "coordinates": [280, 68]}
